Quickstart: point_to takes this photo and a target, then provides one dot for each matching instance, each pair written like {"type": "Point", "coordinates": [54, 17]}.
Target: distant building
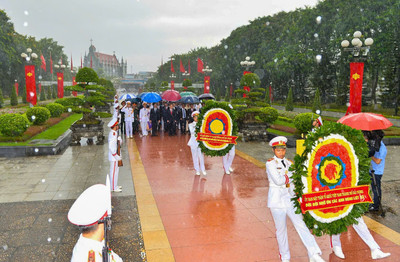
{"type": "Point", "coordinates": [105, 65]}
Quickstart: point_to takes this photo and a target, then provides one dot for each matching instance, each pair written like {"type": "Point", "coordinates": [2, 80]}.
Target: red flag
{"type": "Point", "coordinates": [189, 66]}
{"type": "Point", "coordinates": [200, 65]}
{"type": "Point", "coordinates": [172, 67]}
{"type": "Point", "coordinates": [356, 79]}
{"type": "Point", "coordinates": [91, 62]}
{"type": "Point", "coordinates": [51, 64]}
{"type": "Point", "coordinates": [74, 93]}
{"type": "Point", "coordinates": [43, 66]}
{"type": "Point", "coordinates": [72, 67]}
{"type": "Point", "coordinates": [60, 85]}
{"type": "Point", "coordinates": [16, 88]}
{"type": "Point", "coordinates": [30, 84]}
{"type": "Point", "coordinates": [206, 84]}
{"type": "Point", "coordinates": [182, 69]}
{"type": "Point", "coordinates": [172, 84]}
{"type": "Point", "coordinates": [271, 97]}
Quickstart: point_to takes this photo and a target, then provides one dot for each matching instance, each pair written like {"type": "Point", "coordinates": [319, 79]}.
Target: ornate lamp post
{"type": "Point", "coordinates": [247, 64]}
{"type": "Point", "coordinates": [60, 79]}
{"type": "Point", "coordinates": [207, 72]}
{"type": "Point", "coordinates": [360, 54]}
{"type": "Point", "coordinates": [31, 96]}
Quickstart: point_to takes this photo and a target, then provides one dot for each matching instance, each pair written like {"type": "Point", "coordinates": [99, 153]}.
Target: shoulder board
{"type": "Point", "coordinates": [290, 161]}
{"type": "Point", "coordinates": [270, 159]}
{"type": "Point", "coordinates": [91, 256]}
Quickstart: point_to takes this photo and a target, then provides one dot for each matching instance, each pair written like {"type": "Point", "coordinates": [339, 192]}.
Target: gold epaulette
{"type": "Point", "coordinates": [270, 159]}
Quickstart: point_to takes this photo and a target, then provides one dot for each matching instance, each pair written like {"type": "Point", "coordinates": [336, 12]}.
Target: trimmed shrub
{"type": "Point", "coordinates": [303, 121]}
{"type": "Point", "coordinates": [38, 115]}
{"type": "Point", "coordinates": [1, 98]}
{"type": "Point", "coordinates": [14, 98]}
{"type": "Point", "coordinates": [102, 114]}
{"type": "Point", "coordinates": [13, 124]}
{"type": "Point", "coordinates": [70, 101]}
{"type": "Point", "coordinates": [261, 104]}
{"type": "Point", "coordinates": [79, 110]}
{"type": "Point", "coordinates": [317, 102]}
{"type": "Point", "coordinates": [268, 114]}
{"type": "Point", "coordinates": [42, 94]}
{"type": "Point", "coordinates": [55, 109]}
{"type": "Point", "coordinates": [289, 101]}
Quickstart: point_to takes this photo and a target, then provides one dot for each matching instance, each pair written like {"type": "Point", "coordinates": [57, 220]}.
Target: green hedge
{"type": "Point", "coordinates": [303, 121]}
{"type": "Point", "coordinates": [102, 114]}
{"type": "Point", "coordinates": [70, 101]}
{"type": "Point", "coordinates": [13, 124]}
{"type": "Point", "coordinates": [55, 109]}
{"type": "Point", "coordinates": [38, 115]}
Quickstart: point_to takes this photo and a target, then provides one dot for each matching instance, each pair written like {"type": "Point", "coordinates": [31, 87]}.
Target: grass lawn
{"type": "Point", "coordinates": [278, 132]}
{"type": "Point", "coordinates": [50, 133]}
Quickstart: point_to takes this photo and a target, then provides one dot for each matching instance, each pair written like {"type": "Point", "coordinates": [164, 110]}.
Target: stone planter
{"type": "Point", "coordinates": [89, 131]}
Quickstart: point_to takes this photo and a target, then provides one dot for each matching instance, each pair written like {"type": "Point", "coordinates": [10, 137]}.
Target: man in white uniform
{"type": "Point", "coordinates": [197, 155]}
{"type": "Point", "coordinates": [227, 160]}
{"type": "Point", "coordinates": [279, 201]}
{"type": "Point", "coordinates": [128, 110]}
{"type": "Point", "coordinates": [88, 212]}
{"type": "Point", "coordinates": [144, 117]}
{"type": "Point", "coordinates": [113, 157]}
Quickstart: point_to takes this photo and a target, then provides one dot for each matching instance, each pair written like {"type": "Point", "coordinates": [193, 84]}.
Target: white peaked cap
{"type": "Point", "coordinates": [195, 113]}
{"type": "Point", "coordinates": [112, 122]}
{"type": "Point", "coordinates": [90, 206]}
{"type": "Point", "coordinates": [278, 141]}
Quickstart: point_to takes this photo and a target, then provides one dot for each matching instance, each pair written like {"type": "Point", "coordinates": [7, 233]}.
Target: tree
{"type": "Point", "coordinates": [24, 95]}
{"type": "Point", "coordinates": [267, 96]}
{"type": "Point", "coordinates": [251, 80]}
{"type": "Point", "coordinates": [227, 97]}
{"type": "Point", "coordinates": [14, 98]}
{"type": "Point", "coordinates": [218, 96]}
{"type": "Point", "coordinates": [187, 82]}
{"type": "Point", "coordinates": [54, 92]}
{"type": "Point", "coordinates": [49, 93]}
{"type": "Point", "coordinates": [317, 102]}
{"type": "Point", "coordinates": [289, 101]}
{"type": "Point", "coordinates": [42, 94]}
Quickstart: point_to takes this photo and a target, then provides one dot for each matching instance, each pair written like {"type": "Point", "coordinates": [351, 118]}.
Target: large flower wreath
{"type": "Point", "coordinates": [227, 115]}
{"type": "Point", "coordinates": [332, 149]}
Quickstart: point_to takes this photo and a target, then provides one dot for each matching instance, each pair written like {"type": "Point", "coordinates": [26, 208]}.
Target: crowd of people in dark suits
{"type": "Point", "coordinates": [163, 116]}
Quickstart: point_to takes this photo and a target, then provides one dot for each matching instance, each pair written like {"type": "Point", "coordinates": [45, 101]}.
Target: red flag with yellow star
{"type": "Point", "coordinates": [30, 84]}
{"type": "Point", "coordinates": [206, 84]}
{"type": "Point", "coordinates": [60, 85]}
{"type": "Point", "coordinates": [356, 80]}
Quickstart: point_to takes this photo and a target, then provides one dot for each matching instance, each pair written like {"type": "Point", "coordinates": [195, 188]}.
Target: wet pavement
{"type": "Point", "coordinates": [165, 212]}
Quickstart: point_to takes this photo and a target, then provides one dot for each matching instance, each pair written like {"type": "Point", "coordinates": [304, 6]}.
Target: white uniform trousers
{"type": "Point", "coordinates": [198, 159]}
{"type": "Point", "coordinates": [279, 215]}
{"type": "Point", "coordinates": [143, 125]}
{"type": "Point", "coordinates": [362, 230]}
{"type": "Point", "coordinates": [227, 159]}
{"type": "Point", "coordinates": [114, 170]}
{"type": "Point", "coordinates": [128, 128]}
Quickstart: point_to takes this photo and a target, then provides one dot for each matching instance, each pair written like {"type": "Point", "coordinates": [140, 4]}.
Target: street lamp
{"type": "Point", "coordinates": [207, 70]}
{"type": "Point", "coordinates": [30, 81]}
{"type": "Point", "coordinates": [186, 73]}
{"type": "Point", "coordinates": [358, 47]}
{"type": "Point", "coordinates": [247, 63]}
{"type": "Point", "coordinates": [60, 79]}
{"type": "Point", "coordinates": [360, 54]}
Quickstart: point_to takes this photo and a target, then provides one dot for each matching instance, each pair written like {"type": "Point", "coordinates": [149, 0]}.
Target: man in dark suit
{"type": "Point", "coordinates": [170, 116]}
{"type": "Point", "coordinates": [189, 112]}
{"type": "Point", "coordinates": [165, 117]}
{"type": "Point", "coordinates": [183, 119]}
{"type": "Point", "coordinates": [154, 119]}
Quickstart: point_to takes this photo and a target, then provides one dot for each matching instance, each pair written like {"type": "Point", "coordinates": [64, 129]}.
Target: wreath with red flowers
{"type": "Point", "coordinates": [318, 158]}
{"type": "Point", "coordinates": [212, 105]}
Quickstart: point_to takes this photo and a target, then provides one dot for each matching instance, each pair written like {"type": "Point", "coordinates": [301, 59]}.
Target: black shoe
{"type": "Point", "coordinates": [373, 209]}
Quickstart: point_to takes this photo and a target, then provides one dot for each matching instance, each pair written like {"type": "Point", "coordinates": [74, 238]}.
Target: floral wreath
{"type": "Point", "coordinates": [343, 149]}
{"type": "Point", "coordinates": [229, 113]}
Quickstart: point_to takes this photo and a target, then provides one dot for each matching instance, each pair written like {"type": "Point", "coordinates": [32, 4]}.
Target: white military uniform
{"type": "Point", "coordinates": [113, 156]}
{"type": "Point", "coordinates": [91, 206]}
{"type": "Point", "coordinates": [86, 247]}
{"type": "Point", "coordinates": [144, 117]}
{"type": "Point", "coordinates": [129, 117]}
{"type": "Point", "coordinates": [227, 160]}
{"type": "Point", "coordinates": [197, 155]}
{"type": "Point", "coordinates": [279, 201]}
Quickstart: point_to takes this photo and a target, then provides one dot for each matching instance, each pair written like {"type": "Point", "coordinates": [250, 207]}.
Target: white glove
{"type": "Point", "coordinates": [117, 157]}
{"type": "Point", "coordinates": [120, 139]}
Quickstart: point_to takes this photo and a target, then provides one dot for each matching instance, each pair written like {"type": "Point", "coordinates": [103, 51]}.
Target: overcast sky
{"type": "Point", "coordinates": [141, 31]}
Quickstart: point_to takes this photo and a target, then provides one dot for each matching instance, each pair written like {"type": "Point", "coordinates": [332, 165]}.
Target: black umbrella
{"type": "Point", "coordinates": [189, 100]}
{"type": "Point", "coordinates": [206, 96]}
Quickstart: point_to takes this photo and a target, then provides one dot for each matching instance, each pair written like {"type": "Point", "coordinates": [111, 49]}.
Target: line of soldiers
{"type": "Point", "coordinates": [168, 117]}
